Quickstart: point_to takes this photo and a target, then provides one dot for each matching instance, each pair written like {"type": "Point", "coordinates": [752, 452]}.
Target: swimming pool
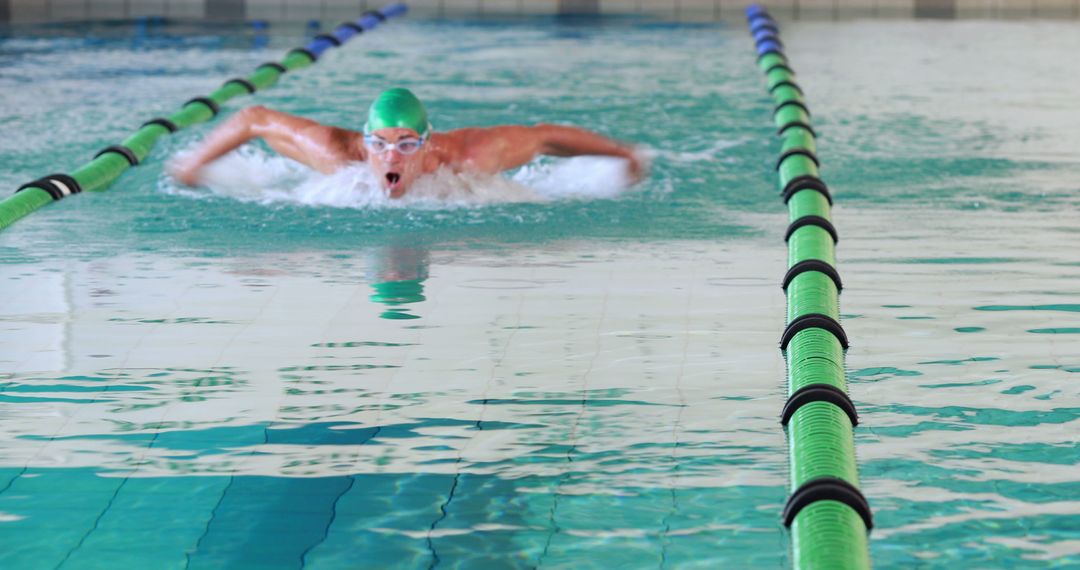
{"type": "Point", "coordinates": [549, 371]}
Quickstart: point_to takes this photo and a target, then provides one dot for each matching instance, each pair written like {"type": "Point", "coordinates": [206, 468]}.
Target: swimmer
{"type": "Point", "coordinates": [398, 143]}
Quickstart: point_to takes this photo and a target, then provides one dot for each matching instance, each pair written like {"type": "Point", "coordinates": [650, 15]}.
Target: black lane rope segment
{"type": "Point", "coordinates": [805, 182]}
{"type": "Point", "coordinates": [46, 185]}
{"type": "Point", "coordinates": [813, 321]}
{"type": "Point", "coordinates": [311, 55]}
{"type": "Point", "coordinates": [812, 221]}
{"type": "Point", "coordinates": [247, 85]}
{"type": "Point", "coordinates": [764, 24]}
{"type": "Point", "coordinates": [206, 102]}
{"type": "Point", "coordinates": [812, 265]}
{"type": "Point", "coordinates": [330, 38]}
{"type": "Point", "coordinates": [793, 124]}
{"type": "Point", "coordinates": [775, 52]}
{"type": "Point", "coordinates": [381, 17]}
{"type": "Point", "coordinates": [797, 152]}
{"type": "Point", "coordinates": [57, 185]}
{"type": "Point", "coordinates": [827, 489]}
{"type": "Point", "coordinates": [122, 151]}
{"type": "Point", "coordinates": [783, 66]}
{"type": "Point", "coordinates": [786, 83]}
{"type": "Point", "coordinates": [352, 26]}
{"type": "Point", "coordinates": [798, 104]}
{"type": "Point", "coordinates": [273, 65]}
{"type": "Point", "coordinates": [163, 122]}
{"type": "Point", "coordinates": [770, 36]}
{"type": "Point", "coordinates": [819, 393]}
{"type": "Point", "coordinates": [73, 186]}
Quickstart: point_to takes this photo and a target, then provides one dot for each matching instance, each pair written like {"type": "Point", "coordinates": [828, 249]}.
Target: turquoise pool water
{"type": "Point", "coordinates": [550, 370]}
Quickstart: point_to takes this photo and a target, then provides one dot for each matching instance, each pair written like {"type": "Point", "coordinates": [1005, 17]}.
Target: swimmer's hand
{"type": "Point", "coordinates": [184, 171]}
{"type": "Point", "coordinates": [637, 165]}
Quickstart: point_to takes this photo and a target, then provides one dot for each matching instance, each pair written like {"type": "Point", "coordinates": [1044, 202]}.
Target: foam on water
{"type": "Point", "coordinates": [251, 174]}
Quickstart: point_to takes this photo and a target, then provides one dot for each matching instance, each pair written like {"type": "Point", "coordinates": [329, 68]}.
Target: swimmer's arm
{"type": "Point", "coordinates": [318, 146]}
{"type": "Point", "coordinates": [514, 146]}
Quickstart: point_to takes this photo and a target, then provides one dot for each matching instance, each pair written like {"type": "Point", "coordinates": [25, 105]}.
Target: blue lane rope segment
{"type": "Point", "coordinates": [330, 38]}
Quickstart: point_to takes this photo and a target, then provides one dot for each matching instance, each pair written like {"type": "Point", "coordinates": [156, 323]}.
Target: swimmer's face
{"type": "Point", "coordinates": [395, 158]}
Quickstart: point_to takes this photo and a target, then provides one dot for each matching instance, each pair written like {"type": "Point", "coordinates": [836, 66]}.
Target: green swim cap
{"type": "Point", "coordinates": [397, 107]}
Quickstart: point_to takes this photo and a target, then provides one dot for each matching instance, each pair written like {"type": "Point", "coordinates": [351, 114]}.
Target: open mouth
{"type": "Point", "coordinates": [393, 184]}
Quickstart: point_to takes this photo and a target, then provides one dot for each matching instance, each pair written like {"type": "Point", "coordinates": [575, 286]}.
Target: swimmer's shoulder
{"type": "Point", "coordinates": [470, 141]}
{"type": "Point", "coordinates": [346, 144]}
{"type": "Point", "coordinates": [484, 149]}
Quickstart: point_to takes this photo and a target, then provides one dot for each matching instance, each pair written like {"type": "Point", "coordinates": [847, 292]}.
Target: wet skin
{"type": "Point", "coordinates": [326, 148]}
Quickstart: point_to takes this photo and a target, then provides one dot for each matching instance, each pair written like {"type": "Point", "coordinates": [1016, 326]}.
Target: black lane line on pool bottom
{"type": "Point", "coordinates": [333, 514]}
{"type": "Point", "coordinates": [813, 321]}
{"type": "Point", "coordinates": [819, 393]}
{"type": "Point", "coordinates": [827, 489]}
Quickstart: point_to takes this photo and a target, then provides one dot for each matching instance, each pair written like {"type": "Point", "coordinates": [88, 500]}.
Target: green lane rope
{"type": "Point", "coordinates": [828, 516]}
{"type": "Point", "coordinates": [113, 161]}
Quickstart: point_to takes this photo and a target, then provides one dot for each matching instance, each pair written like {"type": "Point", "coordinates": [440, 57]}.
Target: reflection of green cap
{"type": "Point", "coordinates": [398, 292]}
{"type": "Point", "coordinates": [397, 107]}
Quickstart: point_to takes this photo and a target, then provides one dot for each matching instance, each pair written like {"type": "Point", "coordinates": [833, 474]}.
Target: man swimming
{"type": "Point", "coordinates": [398, 143]}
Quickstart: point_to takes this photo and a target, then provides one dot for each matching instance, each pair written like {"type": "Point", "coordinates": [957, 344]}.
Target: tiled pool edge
{"type": "Point", "coordinates": [676, 10]}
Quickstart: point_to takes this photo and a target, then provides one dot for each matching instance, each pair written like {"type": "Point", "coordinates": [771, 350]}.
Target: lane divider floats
{"type": "Point", "coordinates": [109, 163]}
{"type": "Point", "coordinates": [828, 516]}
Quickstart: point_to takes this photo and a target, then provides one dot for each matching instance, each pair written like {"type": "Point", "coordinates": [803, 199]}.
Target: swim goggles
{"type": "Point", "coordinates": [404, 146]}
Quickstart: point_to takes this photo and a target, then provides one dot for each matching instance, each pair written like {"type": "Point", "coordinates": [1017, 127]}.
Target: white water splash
{"type": "Point", "coordinates": [713, 153]}
{"type": "Point", "coordinates": [253, 175]}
